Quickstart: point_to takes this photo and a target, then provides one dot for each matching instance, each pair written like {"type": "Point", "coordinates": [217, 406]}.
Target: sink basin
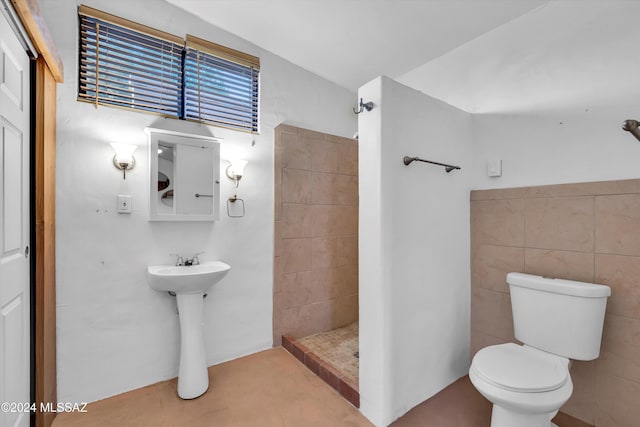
{"type": "Point", "coordinates": [189, 284]}
{"type": "Point", "coordinates": [186, 279]}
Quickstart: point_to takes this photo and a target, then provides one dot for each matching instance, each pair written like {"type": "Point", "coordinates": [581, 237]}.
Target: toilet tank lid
{"type": "Point", "coordinates": [558, 286]}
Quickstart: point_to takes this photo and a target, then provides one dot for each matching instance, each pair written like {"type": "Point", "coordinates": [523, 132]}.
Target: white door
{"type": "Point", "coordinates": [14, 229]}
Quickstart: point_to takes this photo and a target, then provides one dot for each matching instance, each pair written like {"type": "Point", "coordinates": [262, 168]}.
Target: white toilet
{"type": "Point", "coordinates": [557, 320]}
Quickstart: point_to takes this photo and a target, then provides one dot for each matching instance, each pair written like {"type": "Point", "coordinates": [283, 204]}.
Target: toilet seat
{"type": "Point", "coordinates": [520, 369]}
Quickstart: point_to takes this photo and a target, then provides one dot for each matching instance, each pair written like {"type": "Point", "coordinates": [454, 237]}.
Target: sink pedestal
{"type": "Point", "coordinates": [189, 282]}
{"type": "Point", "coordinates": [193, 378]}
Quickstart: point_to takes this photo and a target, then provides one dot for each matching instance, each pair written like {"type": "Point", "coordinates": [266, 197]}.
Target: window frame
{"type": "Point", "coordinates": [247, 104]}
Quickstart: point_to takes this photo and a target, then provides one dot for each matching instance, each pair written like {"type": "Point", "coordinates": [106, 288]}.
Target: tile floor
{"type": "Point", "coordinates": [337, 347]}
{"type": "Point", "coordinates": [324, 370]}
{"type": "Point", "coordinates": [272, 388]}
{"type": "Point", "coordinates": [332, 357]}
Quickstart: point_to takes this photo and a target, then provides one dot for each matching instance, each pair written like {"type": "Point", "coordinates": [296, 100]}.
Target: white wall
{"type": "Point", "coordinates": [374, 269]}
{"type": "Point", "coordinates": [114, 332]}
{"type": "Point", "coordinates": [414, 249]}
{"type": "Point", "coordinates": [555, 148]}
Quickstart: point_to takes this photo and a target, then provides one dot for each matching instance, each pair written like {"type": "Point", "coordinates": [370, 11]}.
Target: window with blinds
{"type": "Point", "coordinates": [129, 65]}
{"type": "Point", "coordinates": [220, 85]}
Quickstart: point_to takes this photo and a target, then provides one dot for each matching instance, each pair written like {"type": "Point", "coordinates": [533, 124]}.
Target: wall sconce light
{"type": "Point", "coordinates": [123, 159]}
{"type": "Point", "coordinates": [235, 170]}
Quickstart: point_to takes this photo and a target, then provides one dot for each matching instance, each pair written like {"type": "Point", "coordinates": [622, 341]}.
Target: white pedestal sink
{"type": "Point", "coordinates": [189, 283]}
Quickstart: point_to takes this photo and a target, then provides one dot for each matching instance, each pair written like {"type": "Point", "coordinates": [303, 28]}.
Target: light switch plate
{"type": "Point", "coordinates": [124, 203]}
{"type": "Point", "coordinates": [494, 167]}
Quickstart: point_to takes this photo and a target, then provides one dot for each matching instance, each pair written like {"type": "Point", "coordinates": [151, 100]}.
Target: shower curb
{"type": "Point", "coordinates": [322, 369]}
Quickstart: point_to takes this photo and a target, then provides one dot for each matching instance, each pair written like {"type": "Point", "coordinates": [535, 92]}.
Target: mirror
{"type": "Point", "coordinates": [165, 178]}
{"type": "Point", "coordinates": [184, 176]}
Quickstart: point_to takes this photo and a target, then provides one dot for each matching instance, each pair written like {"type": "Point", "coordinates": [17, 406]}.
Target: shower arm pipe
{"type": "Point", "coordinates": [633, 127]}
{"type": "Point", "coordinates": [408, 160]}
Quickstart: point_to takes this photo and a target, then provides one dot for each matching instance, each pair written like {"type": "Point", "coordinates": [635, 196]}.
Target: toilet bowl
{"type": "Point", "coordinates": [556, 320]}
{"type": "Point", "coordinates": [525, 385]}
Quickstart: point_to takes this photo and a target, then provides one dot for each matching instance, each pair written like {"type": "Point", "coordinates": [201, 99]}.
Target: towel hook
{"type": "Point", "coordinates": [363, 106]}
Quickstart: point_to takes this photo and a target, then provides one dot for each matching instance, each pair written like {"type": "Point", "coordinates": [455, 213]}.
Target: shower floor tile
{"type": "Point", "coordinates": [337, 347]}
{"type": "Point", "coordinates": [333, 356]}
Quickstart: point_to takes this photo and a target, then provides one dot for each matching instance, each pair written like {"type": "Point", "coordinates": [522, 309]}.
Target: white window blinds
{"type": "Point", "coordinates": [129, 65]}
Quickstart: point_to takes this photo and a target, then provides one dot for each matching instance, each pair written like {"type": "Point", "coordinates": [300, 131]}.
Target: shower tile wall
{"type": "Point", "coordinates": [588, 232]}
{"type": "Point", "coordinates": [315, 232]}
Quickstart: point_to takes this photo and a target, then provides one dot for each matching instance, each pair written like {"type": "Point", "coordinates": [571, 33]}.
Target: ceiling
{"type": "Point", "coordinates": [483, 56]}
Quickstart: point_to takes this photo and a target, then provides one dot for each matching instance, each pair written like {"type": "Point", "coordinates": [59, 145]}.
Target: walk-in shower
{"type": "Point", "coordinates": [316, 271]}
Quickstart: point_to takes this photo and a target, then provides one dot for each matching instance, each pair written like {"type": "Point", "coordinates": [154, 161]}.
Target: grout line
{"type": "Point", "coordinates": [524, 224]}
{"type": "Point", "coordinates": [614, 254]}
{"type": "Point", "coordinates": [594, 238]}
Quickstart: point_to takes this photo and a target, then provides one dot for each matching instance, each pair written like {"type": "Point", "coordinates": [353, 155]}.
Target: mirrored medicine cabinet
{"type": "Point", "coordinates": [184, 176]}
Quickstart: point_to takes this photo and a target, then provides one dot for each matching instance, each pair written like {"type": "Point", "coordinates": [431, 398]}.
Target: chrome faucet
{"type": "Point", "coordinates": [194, 260]}
{"type": "Point", "coordinates": [179, 259]}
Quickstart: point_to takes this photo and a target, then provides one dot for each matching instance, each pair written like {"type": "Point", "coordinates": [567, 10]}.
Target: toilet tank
{"type": "Point", "coordinates": [558, 316]}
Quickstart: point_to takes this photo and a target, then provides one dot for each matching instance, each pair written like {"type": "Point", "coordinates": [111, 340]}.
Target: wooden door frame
{"type": "Point", "coordinates": [47, 72]}
{"type": "Point", "coordinates": [44, 289]}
